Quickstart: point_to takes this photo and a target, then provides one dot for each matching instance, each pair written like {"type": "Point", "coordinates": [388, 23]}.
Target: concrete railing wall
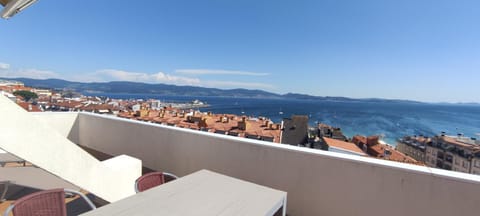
{"type": "Point", "coordinates": [65, 123]}
{"type": "Point", "coordinates": [42, 140]}
{"type": "Point", "coordinates": [317, 182]}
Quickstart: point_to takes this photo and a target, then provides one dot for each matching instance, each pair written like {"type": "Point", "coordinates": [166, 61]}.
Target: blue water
{"type": "Point", "coordinates": [391, 120]}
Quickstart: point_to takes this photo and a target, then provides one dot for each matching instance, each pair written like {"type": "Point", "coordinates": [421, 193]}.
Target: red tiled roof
{"type": "Point", "coordinates": [29, 107]}
{"type": "Point", "coordinates": [359, 139]}
{"type": "Point", "coordinates": [343, 145]}
{"type": "Point", "coordinates": [379, 149]}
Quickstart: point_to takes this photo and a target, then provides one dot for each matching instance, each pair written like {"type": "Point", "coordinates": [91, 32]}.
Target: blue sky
{"type": "Point", "coordinates": [425, 50]}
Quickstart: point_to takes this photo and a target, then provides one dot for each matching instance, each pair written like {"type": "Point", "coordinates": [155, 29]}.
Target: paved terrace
{"type": "Point", "coordinates": [317, 182]}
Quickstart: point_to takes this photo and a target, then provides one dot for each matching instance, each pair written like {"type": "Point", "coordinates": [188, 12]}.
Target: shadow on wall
{"type": "Point", "coordinates": [73, 134]}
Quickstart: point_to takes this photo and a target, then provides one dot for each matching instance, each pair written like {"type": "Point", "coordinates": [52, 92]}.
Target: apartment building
{"type": "Point", "coordinates": [458, 153]}
{"type": "Point", "coordinates": [413, 146]}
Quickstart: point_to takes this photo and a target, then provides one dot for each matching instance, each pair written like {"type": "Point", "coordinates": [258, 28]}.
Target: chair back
{"type": "Point", "coordinates": [148, 181]}
{"type": "Point", "coordinates": [43, 203]}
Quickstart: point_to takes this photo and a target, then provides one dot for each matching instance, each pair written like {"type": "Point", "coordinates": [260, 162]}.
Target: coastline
{"type": "Point", "coordinates": [391, 120]}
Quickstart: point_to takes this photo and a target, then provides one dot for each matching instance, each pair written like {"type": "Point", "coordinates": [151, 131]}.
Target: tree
{"type": "Point", "coordinates": [27, 95]}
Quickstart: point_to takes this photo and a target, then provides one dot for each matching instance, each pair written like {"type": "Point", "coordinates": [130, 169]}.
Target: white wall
{"type": "Point", "coordinates": [317, 182]}
{"type": "Point", "coordinates": [65, 123]}
{"type": "Point", "coordinates": [39, 142]}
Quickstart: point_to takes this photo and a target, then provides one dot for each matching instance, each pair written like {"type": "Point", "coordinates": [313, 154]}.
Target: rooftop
{"type": "Point", "coordinates": [317, 182]}
{"type": "Point", "coordinates": [343, 145]}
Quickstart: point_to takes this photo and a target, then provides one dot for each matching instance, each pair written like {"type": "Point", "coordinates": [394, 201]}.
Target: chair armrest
{"type": "Point", "coordinates": [170, 175]}
{"type": "Point", "coordinates": [8, 210]}
{"type": "Point", "coordinates": [89, 202]}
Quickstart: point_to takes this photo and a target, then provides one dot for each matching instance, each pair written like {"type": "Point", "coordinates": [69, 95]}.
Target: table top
{"type": "Point", "coordinates": [200, 193]}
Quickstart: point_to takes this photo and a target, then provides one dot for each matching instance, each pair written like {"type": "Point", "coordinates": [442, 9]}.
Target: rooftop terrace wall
{"type": "Point", "coordinates": [41, 139]}
{"type": "Point", "coordinates": [317, 182]}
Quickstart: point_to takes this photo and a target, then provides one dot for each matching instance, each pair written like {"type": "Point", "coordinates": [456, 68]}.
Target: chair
{"type": "Point", "coordinates": [5, 189]}
{"type": "Point", "coordinates": [150, 180]}
{"type": "Point", "coordinates": [44, 203]}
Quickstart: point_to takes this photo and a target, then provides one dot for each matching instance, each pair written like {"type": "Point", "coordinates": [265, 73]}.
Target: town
{"type": "Point", "coordinates": [239, 108]}
{"type": "Point", "coordinates": [456, 153]}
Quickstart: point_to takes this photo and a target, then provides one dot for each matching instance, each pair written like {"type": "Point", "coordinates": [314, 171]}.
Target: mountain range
{"type": "Point", "coordinates": [174, 90]}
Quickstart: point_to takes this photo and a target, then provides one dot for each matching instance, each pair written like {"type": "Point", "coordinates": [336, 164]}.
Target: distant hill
{"type": "Point", "coordinates": [174, 90]}
{"type": "Point", "coordinates": [143, 88]}
{"type": "Point", "coordinates": [344, 99]}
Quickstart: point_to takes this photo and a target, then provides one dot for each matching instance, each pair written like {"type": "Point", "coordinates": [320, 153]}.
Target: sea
{"type": "Point", "coordinates": [391, 120]}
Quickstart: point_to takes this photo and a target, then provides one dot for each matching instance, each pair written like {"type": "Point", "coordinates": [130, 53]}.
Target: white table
{"type": "Point", "coordinates": [201, 193]}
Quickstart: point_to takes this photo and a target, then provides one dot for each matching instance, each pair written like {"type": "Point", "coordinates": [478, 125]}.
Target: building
{"type": "Point", "coordinates": [339, 146]}
{"type": "Point", "coordinates": [325, 130]}
{"type": "Point", "coordinates": [10, 83]}
{"type": "Point", "coordinates": [376, 148]}
{"type": "Point", "coordinates": [456, 153]}
{"type": "Point", "coordinates": [294, 130]}
{"type": "Point", "coordinates": [9, 96]}
{"type": "Point", "coordinates": [317, 182]}
{"type": "Point", "coordinates": [414, 147]}
{"type": "Point", "coordinates": [42, 92]}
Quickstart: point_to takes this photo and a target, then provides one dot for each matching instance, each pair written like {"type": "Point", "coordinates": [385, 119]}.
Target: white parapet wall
{"type": "Point", "coordinates": [317, 182]}
{"type": "Point", "coordinates": [42, 140]}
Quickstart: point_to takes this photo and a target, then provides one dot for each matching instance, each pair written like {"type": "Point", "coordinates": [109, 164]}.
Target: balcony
{"type": "Point", "coordinates": [317, 182]}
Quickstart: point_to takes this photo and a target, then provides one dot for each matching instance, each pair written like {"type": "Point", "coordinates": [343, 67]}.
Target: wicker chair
{"type": "Point", "coordinates": [150, 180]}
{"type": "Point", "coordinates": [44, 203]}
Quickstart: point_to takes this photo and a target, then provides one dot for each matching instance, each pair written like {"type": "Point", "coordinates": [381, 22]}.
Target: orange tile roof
{"type": "Point", "coordinates": [357, 139]}
{"type": "Point", "coordinates": [29, 107]}
{"type": "Point", "coordinates": [343, 145]}
{"type": "Point", "coordinates": [394, 156]}
{"type": "Point", "coordinates": [454, 141]}
{"type": "Point", "coordinates": [213, 122]}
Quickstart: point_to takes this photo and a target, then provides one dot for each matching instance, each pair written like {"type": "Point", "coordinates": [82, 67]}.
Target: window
{"type": "Point", "coordinates": [464, 164]}
{"type": "Point", "coordinates": [449, 158]}
{"type": "Point", "coordinates": [477, 163]}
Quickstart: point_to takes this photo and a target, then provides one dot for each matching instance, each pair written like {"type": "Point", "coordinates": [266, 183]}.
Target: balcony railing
{"type": "Point", "coordinates": [317, 182]}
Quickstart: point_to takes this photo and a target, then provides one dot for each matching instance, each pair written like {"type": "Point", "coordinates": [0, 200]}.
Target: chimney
{"type": "Point", "coordinates": [203, 123]}
{"type": "Point", "coordinates": [275, 126]}
{"type": "Point", "coordinates": [224, 119]}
